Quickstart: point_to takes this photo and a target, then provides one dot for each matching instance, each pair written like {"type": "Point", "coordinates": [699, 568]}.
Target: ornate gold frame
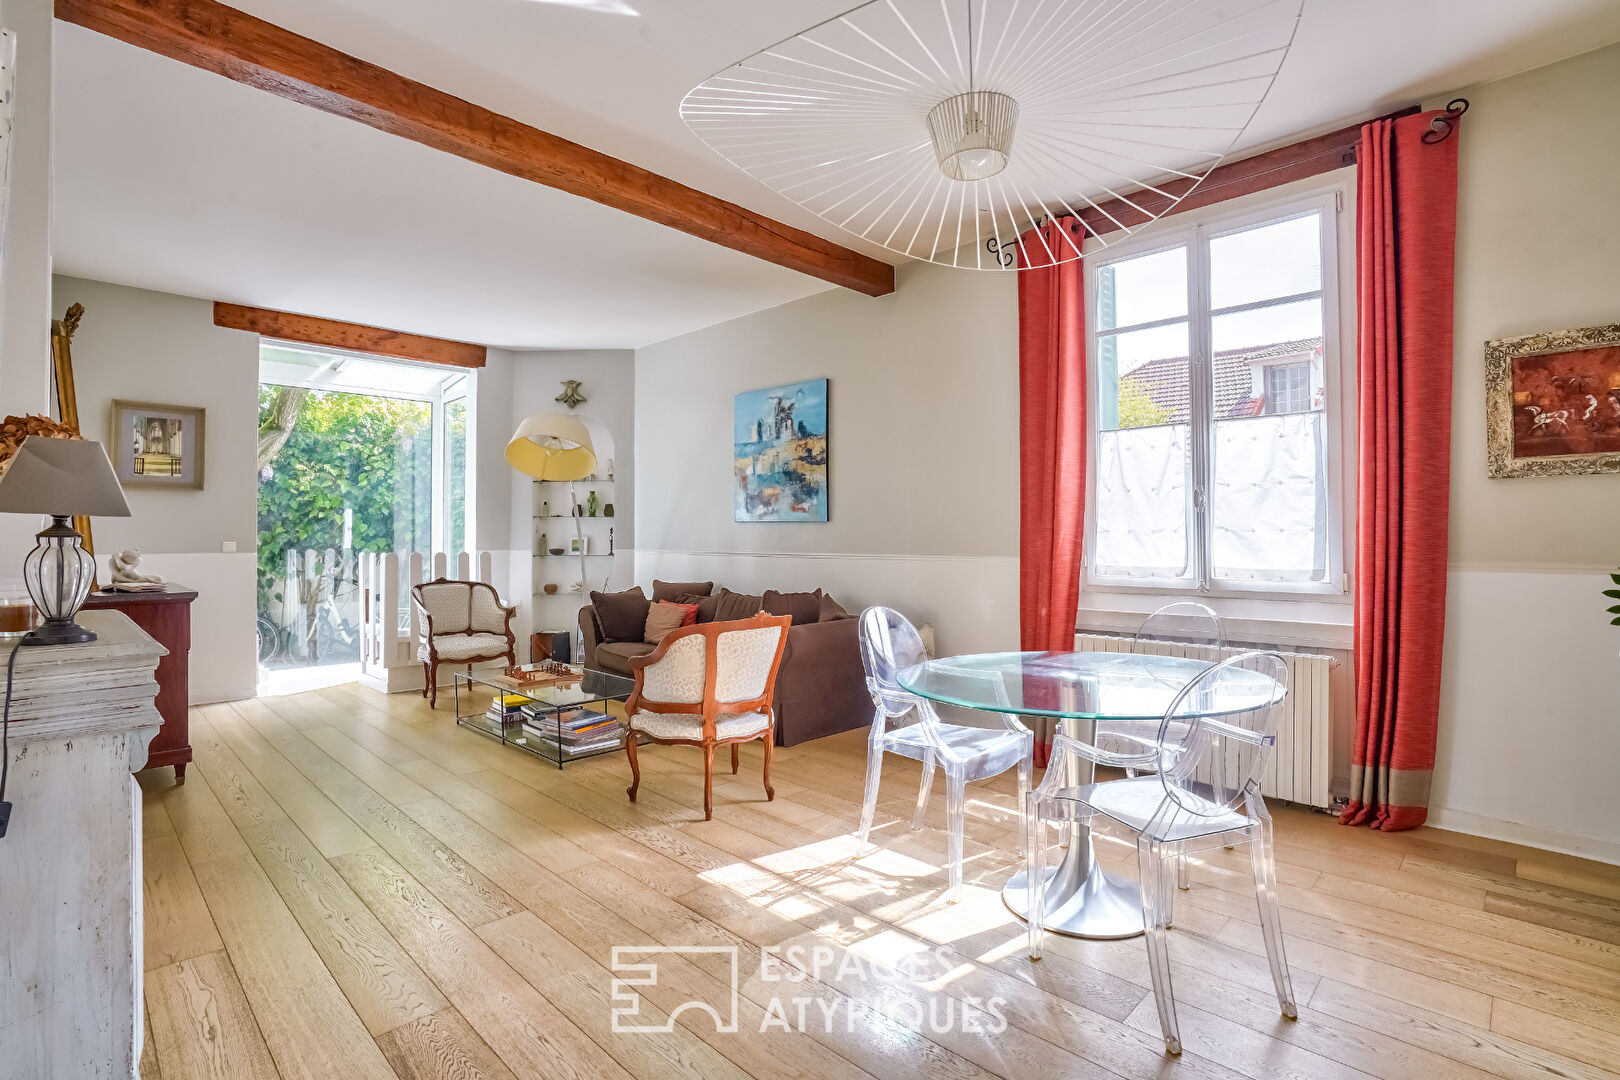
{"type": "Point", "coordinates": [1499, 355]}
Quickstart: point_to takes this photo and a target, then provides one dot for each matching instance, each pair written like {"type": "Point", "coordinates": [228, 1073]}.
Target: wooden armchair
{"type": "Point", "coordinates": [464, 622]}
{"type": "Point", "coordinates": [708, 685]}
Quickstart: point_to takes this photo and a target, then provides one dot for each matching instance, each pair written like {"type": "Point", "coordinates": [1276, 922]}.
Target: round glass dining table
{"type": "Point", "coordinates": [1079, 689]}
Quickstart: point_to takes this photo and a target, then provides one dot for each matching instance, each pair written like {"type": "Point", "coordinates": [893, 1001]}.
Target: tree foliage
{"type": "Point", "coordinates": [371, 456]}
{"type": "Point", "coordinates": [1137, 408]}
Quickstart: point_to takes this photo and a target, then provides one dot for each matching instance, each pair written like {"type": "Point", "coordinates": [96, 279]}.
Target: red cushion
{"type": "Point", "coordinates": [688, 613]}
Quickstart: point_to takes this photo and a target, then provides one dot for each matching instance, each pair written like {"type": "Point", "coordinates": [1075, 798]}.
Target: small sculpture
{"type": "Point", "coordinates": [571, 396]}
{"type": "Point", "coordinates": [126, 569]}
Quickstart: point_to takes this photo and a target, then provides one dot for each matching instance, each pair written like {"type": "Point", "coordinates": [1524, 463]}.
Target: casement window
{"type": "Point", "coordinates": [1214, 358]}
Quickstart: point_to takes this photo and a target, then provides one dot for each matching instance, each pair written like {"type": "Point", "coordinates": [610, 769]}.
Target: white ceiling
{"type": "Point", "coordinates": [173, 179]}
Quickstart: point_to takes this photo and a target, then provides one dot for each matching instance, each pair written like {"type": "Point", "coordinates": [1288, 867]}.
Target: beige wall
{"type": "Point", "coordinates": [139, 345]}
{"type": "Point", "coordinates": [1538, 248]}
{"type": "Point", "coordinates": [923, 420]}
{"type": "Point", "coordinates": [1531, 683]}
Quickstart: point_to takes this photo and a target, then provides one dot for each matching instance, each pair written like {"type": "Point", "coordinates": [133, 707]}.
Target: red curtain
{"type": "Point", "coordinates": [1052, 442]}
{"type": "Point", "coordinates": [1405, 247]}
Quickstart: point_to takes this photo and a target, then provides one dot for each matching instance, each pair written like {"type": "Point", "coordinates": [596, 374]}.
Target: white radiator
{"type": "Point", "coordinates": [1302, 764]}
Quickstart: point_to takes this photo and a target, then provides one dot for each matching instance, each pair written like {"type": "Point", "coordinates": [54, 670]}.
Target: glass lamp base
{"type": "Point", "coordinates": [58, 573]}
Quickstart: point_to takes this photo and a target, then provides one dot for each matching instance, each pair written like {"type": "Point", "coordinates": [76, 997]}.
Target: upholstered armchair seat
{"type": "Point", "coordinates": [462, 622]}
{"type": "Point", "coordinates": [687, 726]}
{"type": "Point", "coordinates": [462, 646]}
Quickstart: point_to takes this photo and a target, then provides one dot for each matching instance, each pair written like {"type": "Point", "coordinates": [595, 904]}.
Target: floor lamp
{"type": "Point", "coordinates": [556, 446]}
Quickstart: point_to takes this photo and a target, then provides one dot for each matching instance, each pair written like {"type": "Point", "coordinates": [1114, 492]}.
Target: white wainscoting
{"type": "Point", "coordinates": [1529, 743]}
{"type": "Point", "coordinates": [224, 638]}
{"type": "Point", "coordinates": [971, 600]}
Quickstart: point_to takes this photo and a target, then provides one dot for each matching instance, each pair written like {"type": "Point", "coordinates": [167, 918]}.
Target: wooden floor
{"type": "Point", "coordinates": [349, 886]}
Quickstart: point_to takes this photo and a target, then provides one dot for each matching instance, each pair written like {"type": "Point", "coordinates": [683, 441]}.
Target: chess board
{"type": "Point", "coordinates": [541, 675]}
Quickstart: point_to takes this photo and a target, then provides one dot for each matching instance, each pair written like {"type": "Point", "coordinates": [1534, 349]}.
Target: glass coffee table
{"type": "Point", "coordinates": [559, 722]}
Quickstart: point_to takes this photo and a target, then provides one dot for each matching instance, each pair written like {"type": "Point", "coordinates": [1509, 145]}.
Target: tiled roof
{"type": "Point", "coordinates": [1166, 381]}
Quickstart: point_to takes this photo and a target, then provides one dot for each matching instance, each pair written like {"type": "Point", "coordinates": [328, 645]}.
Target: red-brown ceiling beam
{"type": "Point", "coordinates": [352, 336]}
{"type": "Point", "coordinates": [1285, 164]}
{"type": "Point", "coordinates": [238, 46]}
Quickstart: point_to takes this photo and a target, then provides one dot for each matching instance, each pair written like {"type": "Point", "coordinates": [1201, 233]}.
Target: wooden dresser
{"type": "Point", "coordinates": [166, 616]}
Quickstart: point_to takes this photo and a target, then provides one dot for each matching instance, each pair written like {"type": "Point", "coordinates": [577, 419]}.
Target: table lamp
{"type": "Point", "coordinates": [60, 478]}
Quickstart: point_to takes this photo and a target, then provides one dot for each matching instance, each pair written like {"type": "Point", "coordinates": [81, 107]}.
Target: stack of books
{"type": "Point", "coordinates": [572, 732]}
{"type": "Point", "coordinates": [507, 709]}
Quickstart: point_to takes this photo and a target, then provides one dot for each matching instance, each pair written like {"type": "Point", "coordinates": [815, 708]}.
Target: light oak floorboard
{"type": "Point", "coordinates": [309, 1026]}
{"type": "Point", "coordinates": [201, 1024]}
{"type": "Point", "coordinates": [177, 925]}
{"type": "Point", "coordinates": [393, 895]}
{"type": "Point", "coordinates": [441, 1045]}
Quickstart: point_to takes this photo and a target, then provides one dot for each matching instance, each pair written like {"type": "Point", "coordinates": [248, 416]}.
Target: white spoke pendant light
{"type": "Point", "coordinates": [943, 129]}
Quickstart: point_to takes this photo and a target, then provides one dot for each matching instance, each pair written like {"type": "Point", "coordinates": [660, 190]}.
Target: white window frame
{"type": "Point", "coordinates": [465, 389]}
{"type": "Point", "coordinates": [1195, 235]}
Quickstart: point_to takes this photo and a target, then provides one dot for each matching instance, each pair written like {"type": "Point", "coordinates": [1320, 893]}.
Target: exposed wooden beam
{"type": "Point", "coordinates": [341, 335]}
{"type": "Point", "coordinates": [1296, 161]}
{"type": "Point", "coordinates": [231, 43]}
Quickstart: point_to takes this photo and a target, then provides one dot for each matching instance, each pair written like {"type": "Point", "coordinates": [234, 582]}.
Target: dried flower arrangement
{"type": "Point", "coordinates": [14, 429]}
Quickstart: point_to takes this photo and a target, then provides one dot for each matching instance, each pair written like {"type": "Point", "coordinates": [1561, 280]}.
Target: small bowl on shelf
{"type": "Point", "coordinates": [551, 589]}
{"type": "Point", "coordinates": [556, 551]}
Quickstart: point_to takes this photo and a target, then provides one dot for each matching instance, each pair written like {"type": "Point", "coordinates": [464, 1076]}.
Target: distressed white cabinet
{"type": "Point", "coordinates": [70, 863]}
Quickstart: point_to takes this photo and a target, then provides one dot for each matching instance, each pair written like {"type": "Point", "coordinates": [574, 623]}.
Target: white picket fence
{"type": "Point", "coordinates": [391, 630]}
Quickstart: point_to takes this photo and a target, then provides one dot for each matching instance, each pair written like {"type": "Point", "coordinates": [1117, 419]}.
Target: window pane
{"type": "Point", "coordinates": [1284, 259]}
{"type": "Point", "coordinates": [455, 438]}
{"type": "Point", "coordinates": [1299, 321]}
{"type": "Point", "coordinates": [1142, 378]}
{"type": "Point", "coordinates": [1144, 289]}
{"type": "Point", "coordinates": [1142, 502]}
{"type": "Point", "coordinates": [1268, 498]}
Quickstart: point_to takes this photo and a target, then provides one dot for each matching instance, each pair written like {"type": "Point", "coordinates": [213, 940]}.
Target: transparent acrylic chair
{"type": "Point", "coordinates": [1169, 630]}
{"type": "Point", "coordinates": [1184, 622]}
{"type": "Point", "coordinates": [908, 725]}
{"type": "Point", "coordinates": [1205, 793]}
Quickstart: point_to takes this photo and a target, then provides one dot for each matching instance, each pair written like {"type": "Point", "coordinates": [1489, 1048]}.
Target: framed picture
{"type": "Point", "coordinates": [579, 545]}
{"type": "Point", "coordinates": [157, 445]}
{"type": "Point", "coordinates": [780, 453]}
{"type": "Point", "coordinates": [1552, 403]}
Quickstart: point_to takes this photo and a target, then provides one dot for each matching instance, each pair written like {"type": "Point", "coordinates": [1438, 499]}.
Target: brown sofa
{"type": "Point", "coordinates": [820, 687]}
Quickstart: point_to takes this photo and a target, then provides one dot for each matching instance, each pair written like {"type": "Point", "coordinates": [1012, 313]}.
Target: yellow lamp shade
{"type": "Point", "coordinates": [552, 446]}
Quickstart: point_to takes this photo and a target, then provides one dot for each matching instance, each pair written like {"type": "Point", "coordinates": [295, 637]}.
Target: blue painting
{"type": "Point", "coordinates": [780, 434]}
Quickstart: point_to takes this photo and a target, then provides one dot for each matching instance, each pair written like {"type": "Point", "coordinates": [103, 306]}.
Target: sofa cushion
{"type": "Point", "coordinates": [673, 590]}
{"type": "Point", "coordinates": [831, 609]}
{"type": "Point", "coordinates": [623, 615]}
{"type": "Point", "coordinates": [734, 605]}
{"type": "Point", "coordinates": [615, 656]}
{"type": "Point", "coordinates": [662, 617]}
{"type": "Point", "coordinates": [804, 607]}
{"type": "Point", "coordinates": [706, 605]}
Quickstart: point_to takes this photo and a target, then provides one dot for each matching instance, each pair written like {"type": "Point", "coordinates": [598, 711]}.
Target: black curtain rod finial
{"type": "Point", "coordinates": [1441, 127]}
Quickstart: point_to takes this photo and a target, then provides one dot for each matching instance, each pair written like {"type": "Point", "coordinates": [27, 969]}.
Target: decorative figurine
{"type": "Point", "coordinates": [126, 572]}
{"type": "Point", "coordinates": [592, 506]}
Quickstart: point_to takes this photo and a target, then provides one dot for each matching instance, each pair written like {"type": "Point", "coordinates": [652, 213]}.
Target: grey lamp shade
{"type": "Point", "coordinates": [552, 446]}
{"type": "Point", "coordinates": [62, 477]}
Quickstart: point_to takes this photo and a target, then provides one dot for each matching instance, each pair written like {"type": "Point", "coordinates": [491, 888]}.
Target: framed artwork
{"type": "Point", "coordinates": [1552, 403]}
{"type": "Point", "coordinates": [157, 445]}
{"type": "Point", "coordinates": [780, 453]}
